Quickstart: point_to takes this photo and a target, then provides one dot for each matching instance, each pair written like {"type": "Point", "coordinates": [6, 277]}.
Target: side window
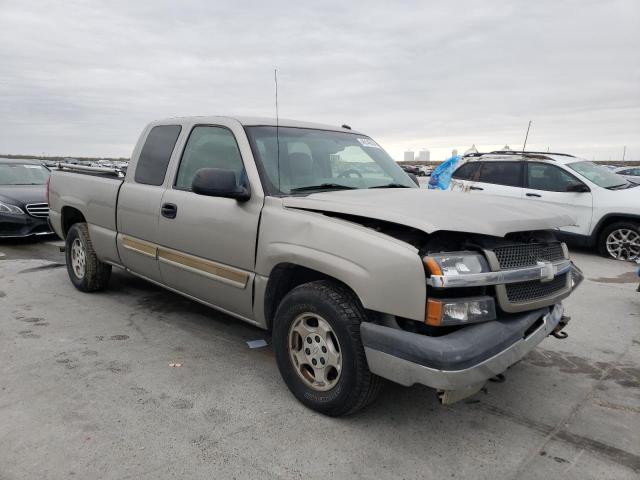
{"type": "Point", "coordinates": [502, 173]}
{"type": "Point", "coordinates": [209, 147]}
{"type": "Point", "coordinates": [467, 171]}
{"type": "Point", "coordinates": [156, 153]}
{"type": "Point", "coordinates": [542, 176]}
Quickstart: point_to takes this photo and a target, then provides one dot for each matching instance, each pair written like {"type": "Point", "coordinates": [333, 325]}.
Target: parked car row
{"type": "Point", "coordinates": [418, 170]}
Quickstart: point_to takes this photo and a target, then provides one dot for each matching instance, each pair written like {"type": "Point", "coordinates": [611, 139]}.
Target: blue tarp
{"type": "Point", "coordinates": [441, 176]}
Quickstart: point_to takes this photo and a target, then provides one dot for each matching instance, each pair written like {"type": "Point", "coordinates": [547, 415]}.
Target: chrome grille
{"type": "Point", "coordinates": [528, 254]}
{"type": "Point", "coordinates": [535, 289]}
{"type": "Point", "coordinates": [40, 210]}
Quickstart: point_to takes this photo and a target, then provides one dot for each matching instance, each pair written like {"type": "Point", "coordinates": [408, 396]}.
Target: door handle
{"type": "Point", "coordinates": [169, 210]}
{"type": "Point", "coordinates": [476, 188]}
{"type": "Point", "coordinates": [533, 195]}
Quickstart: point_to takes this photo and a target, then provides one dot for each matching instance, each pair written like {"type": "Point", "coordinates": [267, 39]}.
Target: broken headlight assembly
{"type": "Point", "coordinates": [456, 263]}
{"type": "Point", "coordinates": [458, 311]}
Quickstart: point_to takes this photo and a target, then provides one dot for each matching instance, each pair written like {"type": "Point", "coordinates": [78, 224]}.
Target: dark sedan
{"type": "Point", "coordinates": [24, 210]}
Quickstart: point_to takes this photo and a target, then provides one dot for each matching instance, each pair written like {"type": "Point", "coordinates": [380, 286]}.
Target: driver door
{"type": "Point", "coordinates": [209, 242]}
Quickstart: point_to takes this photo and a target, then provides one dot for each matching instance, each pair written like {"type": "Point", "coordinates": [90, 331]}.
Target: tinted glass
{"type": "Point", "coordinates": [541, 176]}
{"type": "Point", "coordinates": [156, 153]}
{"type": "Point", "coordinates": [502, 173]}
{"type": "Point", "coordinates": [209, 147]}
{"type": "Point", "coordinates": [467, 171]}
{"type": "Point", "coordinates": [23, 174]}
{"type": "Point", "coordinates": [295, 158]}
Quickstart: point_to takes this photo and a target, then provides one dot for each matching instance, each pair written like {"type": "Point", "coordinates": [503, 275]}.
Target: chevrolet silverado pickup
{"type": "Point", "coordinates": [314, 233]}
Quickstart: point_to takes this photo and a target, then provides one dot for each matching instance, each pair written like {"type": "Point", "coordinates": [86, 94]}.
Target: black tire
{"type": "Point", "coordinates": [96, 273]}
{"type": "Point", "coordinates": [356, 386]}
{"type": "Point", "coordinates": [604, 234]}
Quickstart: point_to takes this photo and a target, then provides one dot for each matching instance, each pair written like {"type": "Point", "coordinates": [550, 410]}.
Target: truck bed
{"type": "Point", "coordinates": [91, 190]}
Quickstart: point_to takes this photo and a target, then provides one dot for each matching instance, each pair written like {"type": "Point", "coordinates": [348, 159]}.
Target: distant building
{"type": "Point", "coordinates": [409, 156]}
{"type": "Point", "coordinates": [424, 155]}
{"type": "Point", "coordinates": [454, 152]}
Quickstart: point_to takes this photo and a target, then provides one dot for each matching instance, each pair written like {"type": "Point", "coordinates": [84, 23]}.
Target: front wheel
{"type": "Point", "coordinates": [620, 240]}
{"type": "Point", "coordinates": [86, 272]}
{"type": "Point", "coordinates": [320, 356]}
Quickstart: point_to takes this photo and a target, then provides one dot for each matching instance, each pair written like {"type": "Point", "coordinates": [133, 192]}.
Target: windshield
{"type": "Point", "coordinates": [23, 174]}
{"type": "Point", "coordinates": [314, 160]}
{"type": "Point", "coordinates": [601, 176]}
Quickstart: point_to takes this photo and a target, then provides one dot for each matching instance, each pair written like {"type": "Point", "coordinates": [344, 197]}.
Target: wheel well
{"type": "Point", "coordinates": [285, 277]}
{"type": "Point", "coordinates": [604, 223]}
{"type": "Point", "coordinates": [70, 215]}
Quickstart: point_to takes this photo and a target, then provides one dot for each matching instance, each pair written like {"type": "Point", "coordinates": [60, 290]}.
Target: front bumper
{"type": "Point", "coordinates": [20, 226]}
{"type": "Point", "coordinates": [460, 360]}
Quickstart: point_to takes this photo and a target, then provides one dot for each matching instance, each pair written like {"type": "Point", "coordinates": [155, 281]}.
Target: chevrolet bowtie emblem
{"type": "Point", "coordinates": [546, 271]}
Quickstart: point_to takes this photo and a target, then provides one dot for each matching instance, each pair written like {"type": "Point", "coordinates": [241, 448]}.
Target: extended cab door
{"type": "Point", "coordinates": [139, 201]}
{"type": "Point", "coordinates": [550, 184]}
{"type": "Point", "coordinates": [209, 243]}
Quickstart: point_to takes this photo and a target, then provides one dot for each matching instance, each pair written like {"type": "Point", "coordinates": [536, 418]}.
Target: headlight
{"type": "Point", "coordinates": [444, 312]}
{"type": "Point", "coordinates": [10, 209]}
{"type": "Point", "coordinates": [456, 263]}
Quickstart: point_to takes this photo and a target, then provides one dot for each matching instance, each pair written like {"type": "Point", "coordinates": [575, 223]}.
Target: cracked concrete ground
{"type": "Point", "coordinates": [87, 391]}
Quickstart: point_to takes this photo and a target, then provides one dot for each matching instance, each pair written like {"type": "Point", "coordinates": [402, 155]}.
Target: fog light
{"type": "Point", "coordinates": [443, 312]}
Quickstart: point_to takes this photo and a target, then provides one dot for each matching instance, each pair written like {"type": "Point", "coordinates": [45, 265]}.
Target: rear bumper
{"type": "Point", "coordinates": [20, 226]}
{"type": "Point", "coordinates": [460, 360]}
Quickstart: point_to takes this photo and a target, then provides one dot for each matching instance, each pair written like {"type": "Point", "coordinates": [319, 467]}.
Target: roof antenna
{"type": "Point", "coordinates": [526, 137]}
{"type": "Point", "coordinates": [275, 78]}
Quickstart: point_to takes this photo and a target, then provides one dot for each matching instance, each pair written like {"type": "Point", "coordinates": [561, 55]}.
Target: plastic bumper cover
{"type": "Point", "coordinates": [16, 226]}
{"type": "Point", "coordinates": [456, 361]}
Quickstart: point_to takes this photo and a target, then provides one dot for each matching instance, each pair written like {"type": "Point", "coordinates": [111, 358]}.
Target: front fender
{"type": "Point", "coordinates": [385, 273]}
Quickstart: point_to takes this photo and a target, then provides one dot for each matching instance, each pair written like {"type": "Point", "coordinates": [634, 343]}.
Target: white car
{"type": "Point", "coordinates": [630, 173]}
{"type": "Point", "coordinates": [605, 205]}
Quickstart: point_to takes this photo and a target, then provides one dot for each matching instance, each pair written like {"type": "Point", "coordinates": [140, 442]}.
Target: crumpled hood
{"type": "Point", "coordinates": [20, 195]}
{"type": "Point", "coordinates": [433, 210]}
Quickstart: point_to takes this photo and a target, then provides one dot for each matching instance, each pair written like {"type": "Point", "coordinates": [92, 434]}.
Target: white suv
{"type": "Point", "coordinates": [605, 205]}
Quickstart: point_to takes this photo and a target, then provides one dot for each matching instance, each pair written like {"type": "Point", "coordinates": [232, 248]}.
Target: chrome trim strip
{"type": "Point", "coordinates": [408, 373]}
{"type": "Point", "coordinates": [140, 246]}
{"type": "Point", "coordinates": [201, 266]}
{"type": "Point", "coordinates": [543, 271]}
{"type": "Point", "coordinates": [206, 268]}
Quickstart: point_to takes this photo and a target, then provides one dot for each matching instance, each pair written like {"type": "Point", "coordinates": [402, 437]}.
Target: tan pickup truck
{"type": "Point", "coordinates": [314, 233]}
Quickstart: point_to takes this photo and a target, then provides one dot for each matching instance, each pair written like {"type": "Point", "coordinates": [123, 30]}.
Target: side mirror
{"type": "Point", "coordinates": [217, 182]}
{"type": "Point", "coordinates": [578, 188]}
{"type": "Point", "coordinates": [414, 178]}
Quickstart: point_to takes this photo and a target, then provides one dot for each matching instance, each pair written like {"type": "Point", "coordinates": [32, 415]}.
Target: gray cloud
{"type": "Point", "coordinates": [82, 78]}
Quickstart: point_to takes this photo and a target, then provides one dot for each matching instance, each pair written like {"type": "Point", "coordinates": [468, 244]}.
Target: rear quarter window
{"type": "Point", "coordinates": [502, 173]}
{"type": "Point", "coordinates": [467, 171]}
{"type": "Point", "coordinates": [156, 153]}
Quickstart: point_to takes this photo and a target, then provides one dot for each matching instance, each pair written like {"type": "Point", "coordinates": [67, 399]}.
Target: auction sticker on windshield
{"type": "Point", "coordinates": [367, 142]}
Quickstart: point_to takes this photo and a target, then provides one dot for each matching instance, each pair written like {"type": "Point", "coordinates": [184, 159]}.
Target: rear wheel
{"type": "Point", "coordinates": [620, 240]}
{"type": "Point", "coordinates": [320, 355]}
{"type": "Point", "coordinates": [86, 272]}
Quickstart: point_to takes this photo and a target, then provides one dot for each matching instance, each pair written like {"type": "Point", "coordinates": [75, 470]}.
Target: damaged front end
{"type": "Point", "coordinates": [489, 302]}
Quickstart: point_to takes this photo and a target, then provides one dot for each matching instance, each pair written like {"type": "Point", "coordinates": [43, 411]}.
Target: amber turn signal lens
{"type": "Point", "coordinates": [433, 266]}
{"type": "Point", "coordinates": [434, 313]}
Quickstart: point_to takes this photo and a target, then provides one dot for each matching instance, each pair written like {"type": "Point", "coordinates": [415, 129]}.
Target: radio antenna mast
{"type": "Point", "coordinates": [526, 137]}
{"type": "Point", "coordinates": [275, 78]}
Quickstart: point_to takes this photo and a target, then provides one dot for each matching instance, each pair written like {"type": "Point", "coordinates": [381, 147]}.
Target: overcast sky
{"type": "Point", "coordinates": [83, 78]}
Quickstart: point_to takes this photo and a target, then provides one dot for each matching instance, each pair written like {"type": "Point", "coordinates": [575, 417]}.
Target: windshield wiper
{"type": "Point", "coordinates": [323, 186]}
{"type": "Point", "coordinates": [391, 185]}
{"type": "Point", "coordinates": [616, 187]}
